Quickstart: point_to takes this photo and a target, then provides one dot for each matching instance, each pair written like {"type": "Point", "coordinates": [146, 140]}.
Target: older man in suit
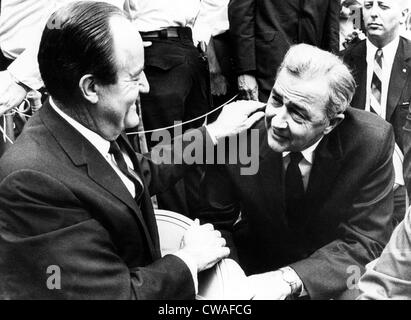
{"type": "Point", "coordinates": [262, 31]}
{"type": "Point", "coordinates": [321, 202]}
{"type": "Point", "coordinates": [76, 220]}
{"type": "Point", "coordinates": [381, 65]}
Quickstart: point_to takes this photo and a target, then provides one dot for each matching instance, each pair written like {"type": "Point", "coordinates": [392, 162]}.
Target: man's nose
{"type": "Point", "coordinates": [144, 86]}
{"type": "Point", "coordinates": [279, 120]}
{"type": "Point", "coordinates": [374, 9]}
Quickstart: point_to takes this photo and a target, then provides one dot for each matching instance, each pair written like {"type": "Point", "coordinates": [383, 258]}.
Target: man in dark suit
{"type": "Point", "coordinates": [320, 206]}
{"type": "Point", "coordinates": [76, 221]}
{"type": "Point", "coordinates": [384, 81]}
{"type": "Point", "coordinates": [262, 32]}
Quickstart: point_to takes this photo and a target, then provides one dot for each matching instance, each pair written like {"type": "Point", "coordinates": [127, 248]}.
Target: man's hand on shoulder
{"type": "Point", "coordinates": [235, 118]}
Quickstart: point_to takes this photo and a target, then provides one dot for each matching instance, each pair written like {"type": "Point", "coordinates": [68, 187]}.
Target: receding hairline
{"type": "Point", "coordinates": [308, 62]}
{"type": "Point", "coordinates": [122, 42]}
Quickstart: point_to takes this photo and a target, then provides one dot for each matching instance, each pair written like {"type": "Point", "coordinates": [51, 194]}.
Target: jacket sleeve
{"type": "Point", "coordinates": [52, 248]}
{"type": "Point", "coordinates": [241, 16]}
{"type": "Point", "coordinates": [361, 238]}
{"type": "Point", "coordinates": [168, 162]}
{"type": "Point", "coordinates": [219, 204]}
{"type": "Point", "coordinates": [390, 276]}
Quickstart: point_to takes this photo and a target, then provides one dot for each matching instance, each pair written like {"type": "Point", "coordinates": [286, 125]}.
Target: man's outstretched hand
{"type": "Point", "coordinates": [235, 118]}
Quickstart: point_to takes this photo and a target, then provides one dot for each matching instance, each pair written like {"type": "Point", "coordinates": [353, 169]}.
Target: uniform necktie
{"type": "Point", "coordinates": [376, 84]}
{"type": "Point", "coordinates": [294, 189]}
{"type": "Point", "coordinates": [125, 169]}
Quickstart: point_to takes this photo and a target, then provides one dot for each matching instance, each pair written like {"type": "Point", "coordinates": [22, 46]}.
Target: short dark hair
{"type": "Point", "coordinates": [77, 40]}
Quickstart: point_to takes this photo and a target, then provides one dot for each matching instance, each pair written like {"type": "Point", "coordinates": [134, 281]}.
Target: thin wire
{"type": "Point", "coordinates": [11, 113]}
{"type": "Point", "coordinates": [183, 123]}
{"type": "Point", "coordinates": [5, 136]}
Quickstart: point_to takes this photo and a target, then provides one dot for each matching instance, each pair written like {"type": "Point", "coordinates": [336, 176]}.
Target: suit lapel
{"type": "Point", "coordinates": [400, 72]}
{"type": "Point", "coordinates": [83, 153]}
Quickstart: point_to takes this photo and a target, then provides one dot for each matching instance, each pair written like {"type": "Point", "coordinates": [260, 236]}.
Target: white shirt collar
{"type": "Point", "coordinates": [308, 153]}
{"type": "Point", "coordinates": [101, 144]}
{"type": "Point", "coordinates": [389, 50]}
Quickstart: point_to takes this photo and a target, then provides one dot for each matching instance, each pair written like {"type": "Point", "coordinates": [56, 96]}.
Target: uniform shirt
{"type": "Point", "coordinates": [23, 19]}
{"type": "Point", "coordinates": [202, 16]}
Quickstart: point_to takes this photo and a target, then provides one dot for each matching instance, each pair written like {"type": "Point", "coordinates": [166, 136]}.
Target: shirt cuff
{"type": "Point", "coordinates": [301, 292]}
{"type": "Point", "coordinates": [192, 265]}
{"type": "Point", "coordinates": [211, 134]}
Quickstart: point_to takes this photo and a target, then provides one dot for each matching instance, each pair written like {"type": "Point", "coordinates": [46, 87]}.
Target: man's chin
{"type": "Point", "coordinates": [132, 119]}
{"type": "Point", "coordinates": [276, 146]}
{"type": "Point", "coordinates": [131, 123]}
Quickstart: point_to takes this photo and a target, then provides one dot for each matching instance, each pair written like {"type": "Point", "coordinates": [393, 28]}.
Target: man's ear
{"type": "Point", "coordinates": [334, 123]}
{"type": "Point", "coordinates": [88, 88]}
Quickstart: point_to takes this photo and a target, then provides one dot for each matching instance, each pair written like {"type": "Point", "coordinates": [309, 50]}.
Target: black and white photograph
{"type": "Point", "coordinates": [212, 152]}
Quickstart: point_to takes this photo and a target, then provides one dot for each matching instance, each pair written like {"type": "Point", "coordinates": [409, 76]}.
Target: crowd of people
{"type": "Point", "coordinates": [323, 90]}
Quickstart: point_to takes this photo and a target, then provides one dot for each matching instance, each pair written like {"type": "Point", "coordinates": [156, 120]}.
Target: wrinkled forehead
{"type": "Point", "coordinates": [306, 85]}
{"type": "Point", "coordinates": [311, 93]}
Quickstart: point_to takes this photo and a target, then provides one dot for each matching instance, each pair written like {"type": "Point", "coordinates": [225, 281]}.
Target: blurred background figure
{"type": "Point", "coordinates": [407, 24]}
{"type": "Point", "coordinates": [263, 31]}
{"type": "Point", "coordinates": [220, 59]}
{"type": "Point", "coordinates": [351, 27]}
{"type": "Point", "coordinates": [382, 69]}
{"type": "Point", "coordinates": [21, 23]}
{"type": "Point", "coordinates": [177, 70]}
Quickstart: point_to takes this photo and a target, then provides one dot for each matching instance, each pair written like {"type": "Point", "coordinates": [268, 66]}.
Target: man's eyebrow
{"type": "Point", "coordinates": [276, 95]}
{"type": "Point", "coordinates": [297, 107]}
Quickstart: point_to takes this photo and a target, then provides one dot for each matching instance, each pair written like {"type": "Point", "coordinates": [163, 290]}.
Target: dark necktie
{"type": "Point", "coordinates": [125, 169]}
{"type": "Point", "coordinates": [376, 84]}
{"type": "Point", "coordinates": [294, 190]}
